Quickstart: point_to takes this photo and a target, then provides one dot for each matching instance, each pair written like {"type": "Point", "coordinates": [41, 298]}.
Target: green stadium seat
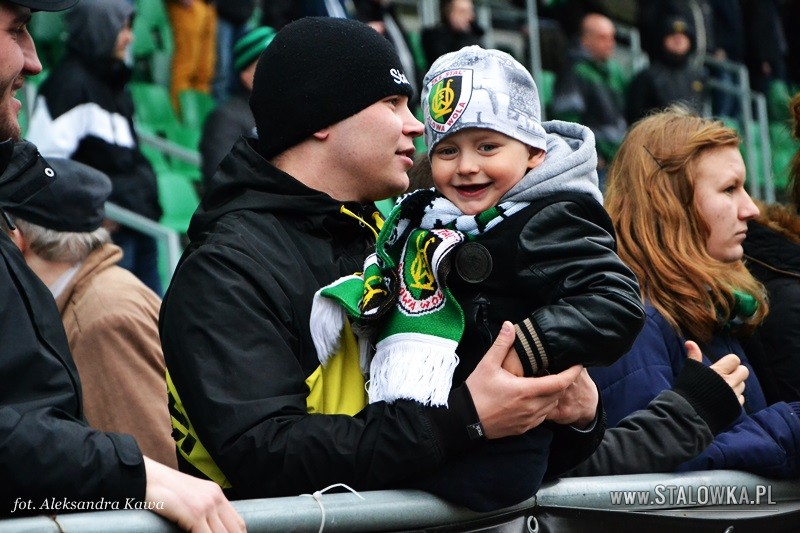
{"type": "Point", "coordinates": [156, 158]}
{"type": "Point", "coordinates": [153, 43]}
{"type": "Point", "coordinates": [547, 89]}
{"type": "Point", "coordinates": [783, 148]}
{"type": "Point", "coordinates": [179, 200]}
{"type": "Point", "coordinates": [23, 95]}
{"type": "Point", "coordinates": [195, 107]}
{"type": "Point", "coordinates": [189, 138]}
{"type": "Point", "coordinates": [415, 44]}
{"type": "Point", "coordinates": [778, 99]}
{"type": "Point", "coordinates": [419, 142]}
{"type": "Point", "coordinates": [151, 28]}
{"type": "Point", "coordinates": [152, 109]}
{"type": "Point", "coordinates": [49, 32]}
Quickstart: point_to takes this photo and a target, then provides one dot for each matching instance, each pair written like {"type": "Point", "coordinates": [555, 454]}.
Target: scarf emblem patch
{"type": "Point", "coordinates": [419, 292]}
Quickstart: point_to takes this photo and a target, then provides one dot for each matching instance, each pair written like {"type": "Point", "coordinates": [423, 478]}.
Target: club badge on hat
{"type": "Point", "coordinates": [449, 95]}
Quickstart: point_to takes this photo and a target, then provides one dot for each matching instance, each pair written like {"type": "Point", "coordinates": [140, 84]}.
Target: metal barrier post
{"type": "Point", "coordinates": [766, 153]}
{"type": "Point", "coordinates": [428, 12]}
{"type": "Point", "coordinates": [163, 234]}
{"type": "Point", "coordinates": [483, 16]}
{"type": "Point", "coordinates": [533, 47]}
{"type": "Point", "coordinates": [170, 148]}
{"type": "Point", "coordinates": [747, 127]}
{"type": "Point", "coordinates": [746, 97]}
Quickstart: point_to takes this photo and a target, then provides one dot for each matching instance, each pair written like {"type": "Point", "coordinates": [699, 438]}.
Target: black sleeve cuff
{"type": "Point", "coordinates": [572, 446]}
{"type": "Point", "coordinates": [132, 477]}
{"type": "Point", "coordinates": [709, 395]}
{"type": "Point", "coordinates": [451, 425]}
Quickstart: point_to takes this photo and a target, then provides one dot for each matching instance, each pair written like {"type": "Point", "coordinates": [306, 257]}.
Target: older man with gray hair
{"type": "Point", "coordinates": [110, 316]}
{"type": "Point", "coordinates": [47, 451]}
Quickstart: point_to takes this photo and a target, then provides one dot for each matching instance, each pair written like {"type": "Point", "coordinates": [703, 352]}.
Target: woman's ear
{"type": "Point", "coordinates": [535, 157]}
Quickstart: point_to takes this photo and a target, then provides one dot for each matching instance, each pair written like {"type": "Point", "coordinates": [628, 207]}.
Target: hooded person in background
{"type": "Point", "coordinates": [41, 398]}
{"type": "Point", "coordinates": [110, 317]}
{"type": "Point", "coordinates": [592, 88]}
{"type": "Point", "coordinates": [84, 112]}
{"type": "Point", "coordinates": [382, 16]}
{"type": "Point", "coordinates": [233, 118]}
{"type": "Point", "coordinates": [456, 29]}
{"type": "Point", "coordinates": [671, 76]}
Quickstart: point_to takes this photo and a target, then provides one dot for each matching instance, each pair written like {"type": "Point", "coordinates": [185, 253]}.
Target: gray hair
{"type": "Point", "coordinates": [61, 246]}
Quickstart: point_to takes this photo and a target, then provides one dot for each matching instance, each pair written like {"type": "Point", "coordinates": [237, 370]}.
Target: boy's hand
{"type": "Point", "coordinates": [510, 405]}
{"type": "Point", "coordinates": [512, 363]}
{"type": "Point", "coordinates": [578, 405]}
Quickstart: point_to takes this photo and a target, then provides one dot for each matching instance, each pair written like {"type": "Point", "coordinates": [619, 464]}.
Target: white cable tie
{"type": "Point", "coordinates": [318, 498]}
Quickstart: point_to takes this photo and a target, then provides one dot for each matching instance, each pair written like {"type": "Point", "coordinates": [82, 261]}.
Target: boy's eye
{"type": "Point", "coordinates": [445, 150]}
{"type": "Point", "coordinates": [487, 147]}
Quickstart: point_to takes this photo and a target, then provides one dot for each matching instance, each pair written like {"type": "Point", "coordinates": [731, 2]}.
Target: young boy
{"type": "Point", "coordinates": [514, 231]}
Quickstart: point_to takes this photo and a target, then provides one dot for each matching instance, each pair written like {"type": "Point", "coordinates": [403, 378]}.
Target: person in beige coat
{"type": "Point", "coordinates": [110, 317]}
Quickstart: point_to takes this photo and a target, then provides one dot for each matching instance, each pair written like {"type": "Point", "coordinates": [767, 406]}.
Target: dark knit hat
{"type": "Point", "coordinates": [319, 71]}
{"type": "Point", "coordinates": [250, 45]}
{"type": "Point", "coordinates": [74, 201]}
{"type": "Point", "coordinates": [45, 5]}
{"type": "Point", "coordinates": [677, 24]}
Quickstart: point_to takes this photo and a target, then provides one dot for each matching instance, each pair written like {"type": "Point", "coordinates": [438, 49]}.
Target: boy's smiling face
{"type": "Point", "coordinates": [474, 168]}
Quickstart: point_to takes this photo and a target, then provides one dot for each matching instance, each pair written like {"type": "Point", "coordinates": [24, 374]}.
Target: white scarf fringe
{"type": "Point", "coordinates": [326, 323]}
{"type": "Point", "coordinates": [413, 366]}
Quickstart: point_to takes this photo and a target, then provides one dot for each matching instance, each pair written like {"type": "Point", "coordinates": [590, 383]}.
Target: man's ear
{"type": "Point", "coordinates": [535, 157]}
{"type": "Point", "coordinates": [322, 134]}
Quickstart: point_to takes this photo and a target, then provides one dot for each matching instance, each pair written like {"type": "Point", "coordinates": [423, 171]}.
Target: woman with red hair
{"type": "Point", "coordinates": [677, 199]}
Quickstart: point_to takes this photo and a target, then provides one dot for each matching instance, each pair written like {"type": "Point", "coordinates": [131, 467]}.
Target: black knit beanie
{"type": "Point", "coordinates": [319, 71]}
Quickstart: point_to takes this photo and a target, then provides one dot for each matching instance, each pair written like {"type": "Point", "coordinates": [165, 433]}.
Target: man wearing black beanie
{"type": "Point", "coordinates": [284, 215]}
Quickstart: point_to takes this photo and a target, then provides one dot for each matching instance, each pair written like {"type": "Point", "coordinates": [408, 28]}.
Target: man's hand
{"type": "Point", "coordinates": [578, 405]}
{"type": "Point", "coordinates": [507, 404]}
{"type": "Point", "coordinates": [194, 504]}
{"type": "Point", "coordinates": [728, 367]}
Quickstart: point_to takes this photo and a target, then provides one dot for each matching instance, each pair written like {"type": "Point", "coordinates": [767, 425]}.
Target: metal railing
{"type": "Point", "coordinates": [168, 238]}
{"type": "Point", "coordinates": [747, 100]}
{"type": "Point", "coordinates": [403, 510]}
{"type": "Point", "coordinates": [170, 148]}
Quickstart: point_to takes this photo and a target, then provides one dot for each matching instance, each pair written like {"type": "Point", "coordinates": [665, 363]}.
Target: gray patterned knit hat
{"type": "Point", "coordinates": [478, 88]}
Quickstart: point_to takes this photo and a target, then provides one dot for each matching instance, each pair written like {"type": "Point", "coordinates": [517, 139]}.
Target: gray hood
{"type": "Point", "coordinates": [569, 166]}
{"type": "Point", "coordinates": [94, 25]}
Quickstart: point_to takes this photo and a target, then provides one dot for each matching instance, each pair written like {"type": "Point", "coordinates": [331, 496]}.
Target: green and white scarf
{"type": "Point", "coordinates": [401, 299]}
